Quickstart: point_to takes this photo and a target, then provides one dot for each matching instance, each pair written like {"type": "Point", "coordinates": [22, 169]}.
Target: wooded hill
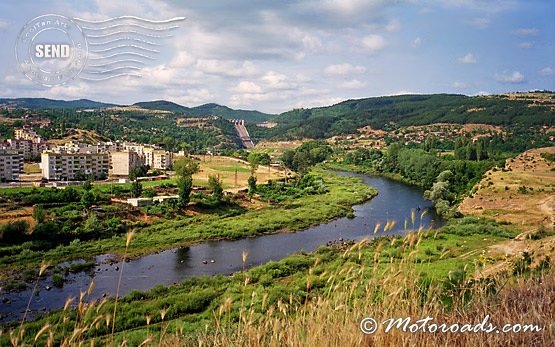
{"type": "Point", "coordinates": [393, 111]}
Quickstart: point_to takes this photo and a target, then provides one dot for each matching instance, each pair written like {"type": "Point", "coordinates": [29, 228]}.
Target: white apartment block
{"type": "Point", "coordinates": [28, 148]}
{"type": "Point", "coordinates": [77, 147]}
{"type": "Point", "coordinates": [11, 165]}
{"type": "Point", "coordinates": [68, 166]}
{"type": "Point", "coordinates": [158, 159]}
{"type": "Point", "coordinates": [25, 134]}
{"type": "Point", "coordinates": [123, 162]}
{"type": "Point", "coordinates": [152, 156]}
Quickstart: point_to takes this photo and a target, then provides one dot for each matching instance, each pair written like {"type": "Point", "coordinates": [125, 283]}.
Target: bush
{"type": "Point", "coordinates": [58, 280]}
{"type": "Point", "coordinates": [13, 232]}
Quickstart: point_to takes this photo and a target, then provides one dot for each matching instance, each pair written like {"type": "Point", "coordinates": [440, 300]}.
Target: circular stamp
{"type": "Point", "coordinates": [51, 50]}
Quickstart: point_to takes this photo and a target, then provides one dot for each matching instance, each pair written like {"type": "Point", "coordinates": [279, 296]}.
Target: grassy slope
{"type": "Point", "coordinates": [521, 193]}
{"type": "Point", "coordinates": [290, 215]}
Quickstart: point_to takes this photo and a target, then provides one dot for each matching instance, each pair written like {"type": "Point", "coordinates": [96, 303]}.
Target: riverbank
{"type": "Point", "coordinates": [442, 261]}
{"type": "Point", "coordinates": [290, 215]}
{"type": "Point", "coordinates": [369, 171]}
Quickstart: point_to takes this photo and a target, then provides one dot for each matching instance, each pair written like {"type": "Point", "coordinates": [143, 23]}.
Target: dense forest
{"type": "Point", "coordinates": [394, 111]}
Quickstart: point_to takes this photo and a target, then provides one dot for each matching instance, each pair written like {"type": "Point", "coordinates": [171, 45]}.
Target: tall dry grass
{"type": "Point", "coordinates": [330, 315]}
{"type": "Point", "coordinates": [332, 318]}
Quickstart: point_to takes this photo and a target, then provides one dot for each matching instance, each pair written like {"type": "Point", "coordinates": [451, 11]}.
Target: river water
{"type": "Point", "coordinates": [394, 201]}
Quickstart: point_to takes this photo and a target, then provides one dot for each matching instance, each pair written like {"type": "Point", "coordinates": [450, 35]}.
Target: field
{"type": "Point", "coordinates": [276, 148]}
{"type": "Point", "coordinates": [225, 167]}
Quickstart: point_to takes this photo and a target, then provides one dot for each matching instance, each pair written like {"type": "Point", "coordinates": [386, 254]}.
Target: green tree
{"type": "Point", "coordinates": [87, 185]}
{"type": "Point", "coordinates": [38, 213]}
{"type": "Point", "coordinates": [136, 189]}
{"type": "Point", "coordinates": [306, 155]}
{"type": "Point", "coordinates": [258, 158]}
{"type": "Point", "coordinates": [186, 166]}
{"type": "Point", "coordinates": [252, 185]}
{"type": "Point", "coordinates": [88, 199]}
{"type": "Point", "coordinates": [215, 185]}
{"type": "Point", "coordinates": [137, 171]}
{"type": "Point", "coordinates": [184, 188]}
{"type": "Point", "coordinates": [440, 193]}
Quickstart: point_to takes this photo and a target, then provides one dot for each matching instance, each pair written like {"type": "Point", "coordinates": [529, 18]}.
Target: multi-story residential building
{"type": "Point", "coordinates": [158, 159]}
{"type": "Point", "coordinates": [152, 156]}
{"type": "Point", "coordinates": [25, 134]}
{"type": "Point", "coordinates": [11, 165]}
{"type": "Point", "coordinates": [123, 162]}
{"type": "Point", "coordinates": [30, 149]}
{"type": "Point", "coordinates": [73, 166]}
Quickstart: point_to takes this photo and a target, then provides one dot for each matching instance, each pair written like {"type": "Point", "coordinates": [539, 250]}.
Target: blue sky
{"type": "Point", "coordinates": [277, 55]}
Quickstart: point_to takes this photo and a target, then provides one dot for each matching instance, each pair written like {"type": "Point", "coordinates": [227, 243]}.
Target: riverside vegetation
{"type": "Point", "coordinates": [316, 198]}
{"type": "Point", "coordinates": [319, 298]}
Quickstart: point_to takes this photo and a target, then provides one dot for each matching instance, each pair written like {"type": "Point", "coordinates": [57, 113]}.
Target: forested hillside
{"type": "Point", "coordinates": [394, 111]}
{"type": "Point", "coordinates": [206, 110]}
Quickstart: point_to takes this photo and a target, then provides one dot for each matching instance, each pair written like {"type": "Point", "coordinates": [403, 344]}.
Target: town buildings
{"type": "Point", "coordinates": [74, 166]}
{"type": "Point", "coordinates": [11, 165]}
{"type": "Point", "coordinates": [122, 163]}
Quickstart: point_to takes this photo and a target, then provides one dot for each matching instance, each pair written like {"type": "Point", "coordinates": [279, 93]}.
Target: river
{"type": "Point", "coordinates": [394, 201]}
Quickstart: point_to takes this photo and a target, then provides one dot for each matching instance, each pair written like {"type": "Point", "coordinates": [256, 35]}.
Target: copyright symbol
{"type": "Point", "coordinates": [368, 325]}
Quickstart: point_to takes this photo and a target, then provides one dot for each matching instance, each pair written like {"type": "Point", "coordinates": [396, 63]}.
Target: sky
{"type": "Point", "coordinates": [273, 56]}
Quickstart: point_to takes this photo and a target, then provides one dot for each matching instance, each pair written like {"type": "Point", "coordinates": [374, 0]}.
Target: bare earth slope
{"type": "Point", "coordinates": [500, 196]}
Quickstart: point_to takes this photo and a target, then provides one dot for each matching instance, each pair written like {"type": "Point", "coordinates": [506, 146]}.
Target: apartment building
{"type": "Point", "coordinates": [78, 147]}
{"type": "Point", "coordinates": [158, 159]}
{"type": "Point", "coordinates": [152, 156]}
{"type": "Point", "coordinates": [123, 162]}
{"type": "Point", "coordinates": [11, 165]}
{"type": "Point", "coordinates": [74, 166]}
{"type": "Point", "coordinates": [25, 134]}
{"type": "Point", "coordinates": [30, 149]}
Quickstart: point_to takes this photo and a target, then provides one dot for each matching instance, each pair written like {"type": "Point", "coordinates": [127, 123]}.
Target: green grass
{"type": "Point", "coordinates": [233, 168]}
{"type": "Point", "coordinates": [190, 304]}
{"type": "Point", "coordinates": [290, 215]}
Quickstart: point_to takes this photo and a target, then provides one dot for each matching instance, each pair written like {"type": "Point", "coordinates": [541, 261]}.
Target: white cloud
{"type": "Point", "coordinates": [344, 69]}
{"type": "Point", "coordinates": [547, 71]}
{"type": "Point", "coordinates": [276, 80]}
{"type": "Point", "coordinates": [510, 77]}
{"type": "Point", "coordinates": [526, 32]}
{"type": "Point", "coordinates": [197, 97]}
{"type": "Point", "coordinates": [247, 87]}
{"type": "Point", "coordinates": [393, 26]}
{"type": "Point", "coordinates": [480, 22]}
{"type": "Point", "coordinates": [490, 6]}
{"type": "Point", "coordinates": [227, 68]}
{"type": "Point", "coordinates": [352, 84]}
{"type": "Point", "coordinates": [467, 59]}
{"type": "Point", "coordinates": [483, 93]}
{"type": "Point", "coordinates": [416, 42]}
{"type": "Point", "coordinates": [459, 85]}
{"type": "Point", "coordinates": [182, 59]}
{"type": "Point", "coordinates": [4, 24]}
{"type": "Point", "coordinates": [525, 45]}
{"type": "Point", "coordinates": [373, 43]}
{"type": "Point", "coordinates": [318, 102]}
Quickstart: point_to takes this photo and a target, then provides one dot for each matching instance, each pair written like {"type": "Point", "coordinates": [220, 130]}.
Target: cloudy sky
{"type": "Point", "coordinates": [276, 55]}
